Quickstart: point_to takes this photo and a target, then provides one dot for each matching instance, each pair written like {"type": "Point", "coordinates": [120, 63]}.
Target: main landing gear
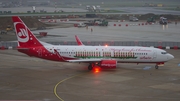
{"type": "Point", "coordinates": [90, 67]}
{"type": "Point", "coordinates": [156, 66]}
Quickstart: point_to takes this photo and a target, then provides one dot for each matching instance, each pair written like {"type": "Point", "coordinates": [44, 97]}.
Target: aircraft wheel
{"type": "Point", "coordinates": [156, 66]}
{"type": "Point", "coordinates": [90, 67]}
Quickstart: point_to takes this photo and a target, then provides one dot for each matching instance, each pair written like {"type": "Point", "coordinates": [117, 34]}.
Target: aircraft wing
{"type": "Point", "coordinates": [85, 60]}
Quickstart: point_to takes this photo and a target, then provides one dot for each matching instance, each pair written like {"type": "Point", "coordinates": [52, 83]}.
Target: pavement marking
{"type": "Point", "coordinates": [147, 68]}
{"type": "Point", "coordinates": [55, 87]}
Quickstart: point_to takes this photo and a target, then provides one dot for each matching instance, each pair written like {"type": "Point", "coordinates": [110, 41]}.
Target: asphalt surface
{"type": "Point", "coordinates": [28, 78]}
{"type": "Point", "coordinates": [132, 32]}
{"type": "Point", "coordinates": [37, 9]}
{"type": "Point", "coordinates": [127, 10]}
{"type": "Point", "coordinates": [145, 10]}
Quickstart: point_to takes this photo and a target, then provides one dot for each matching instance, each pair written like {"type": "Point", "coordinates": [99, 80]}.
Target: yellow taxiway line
{"type": "Point", "coordinates": [55, 87]}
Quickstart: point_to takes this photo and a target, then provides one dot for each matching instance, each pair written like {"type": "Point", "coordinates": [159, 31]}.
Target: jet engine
{"type": "Point", "coordinates": [108, 64]}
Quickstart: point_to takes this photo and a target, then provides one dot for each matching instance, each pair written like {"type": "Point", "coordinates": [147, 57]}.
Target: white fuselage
{"type": "Point", "coordinates": [120, 53]}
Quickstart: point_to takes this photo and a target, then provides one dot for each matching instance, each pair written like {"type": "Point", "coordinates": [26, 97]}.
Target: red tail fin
{"type": "Point", "coordinates": [24, 35]}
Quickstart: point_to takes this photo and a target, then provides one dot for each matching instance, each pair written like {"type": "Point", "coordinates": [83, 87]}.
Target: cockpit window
{"type": "Point", "coordinates": [163, 52]}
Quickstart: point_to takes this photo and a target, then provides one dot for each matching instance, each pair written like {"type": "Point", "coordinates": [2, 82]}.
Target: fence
{"type": "Point", "coordinates": [163, 45]}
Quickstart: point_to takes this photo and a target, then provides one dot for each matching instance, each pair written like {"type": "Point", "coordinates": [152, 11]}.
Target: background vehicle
{"type": "Point", "coordinates": [81, 25]}
{"type": "Point", "coordinates": [99, 22]}
{"type": "Point", "coordinates": [151, 19]}
{"type": "Point", "coordinates": [9, 28]}
{"type": "Point", "coordinates": [163, 21]}
{"type": "Point", "coordinates": [132, 18]}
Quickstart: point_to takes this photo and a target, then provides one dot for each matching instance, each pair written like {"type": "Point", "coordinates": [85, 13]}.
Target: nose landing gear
{"type": "Point", "coordinates": [159, 64]}
{"type": "Point", "coordinates": [156, 67]}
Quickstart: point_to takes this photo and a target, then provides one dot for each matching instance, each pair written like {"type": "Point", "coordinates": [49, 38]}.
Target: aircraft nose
{"type": "Point", "coordinates": [170, 56]}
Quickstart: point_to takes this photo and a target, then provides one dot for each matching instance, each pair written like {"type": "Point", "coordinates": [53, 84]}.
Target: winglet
{"type": "Point", "coordinates": [78, 41]}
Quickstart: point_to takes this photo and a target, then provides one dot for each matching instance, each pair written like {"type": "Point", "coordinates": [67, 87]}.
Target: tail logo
{"type": "Point", "coordinates": [22, 32]}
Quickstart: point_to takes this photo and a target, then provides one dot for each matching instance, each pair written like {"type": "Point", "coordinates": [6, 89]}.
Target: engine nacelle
{"type": "Point", "coordinates": [108, 64]}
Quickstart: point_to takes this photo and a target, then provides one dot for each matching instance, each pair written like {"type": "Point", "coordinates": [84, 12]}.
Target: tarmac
{"type": "Point", "coordinates": [29, 78]}
{"type": "Point", "coordinates": [132, 32]}
{"type": "Point", "coordinates": [115, 31]}
{"type": "Point", "coordinates": [126, 10]}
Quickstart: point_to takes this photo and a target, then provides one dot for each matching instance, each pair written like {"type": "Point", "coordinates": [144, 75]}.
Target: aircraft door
{"type": "Point", "coordinates": [154, 54]}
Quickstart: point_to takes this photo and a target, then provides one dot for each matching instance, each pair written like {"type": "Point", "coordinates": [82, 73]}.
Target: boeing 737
{"type": "Point", "coordinates": [97, 56]}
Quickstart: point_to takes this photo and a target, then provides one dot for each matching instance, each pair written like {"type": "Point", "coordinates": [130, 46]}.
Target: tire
{"type": "Point", "coordinates": [90, 67]}
{"type": "Point", "coordinates": [156, 67]}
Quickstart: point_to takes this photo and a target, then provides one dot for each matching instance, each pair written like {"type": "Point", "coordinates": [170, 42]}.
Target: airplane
{"type": "Point", "coordinates": [105, 57]}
